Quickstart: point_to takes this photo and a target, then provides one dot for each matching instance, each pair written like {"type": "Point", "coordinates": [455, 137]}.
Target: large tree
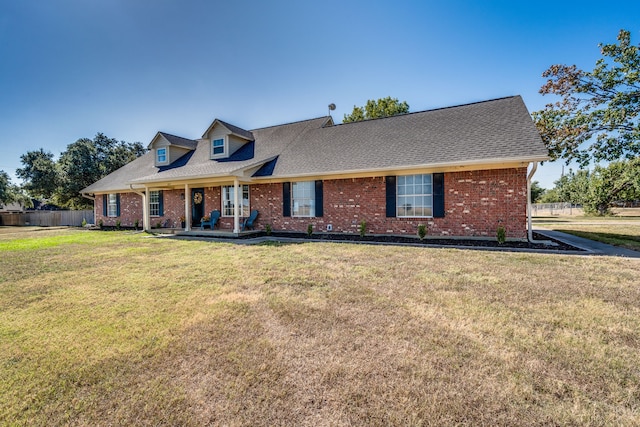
{"type": "Point", "coordinates": [39, 173]}
{"type": "Point", "coordinates": [10, 193]}
{"type": "Point", "coordinates": [383, 107]}
{"type": "Point", "coordinates": [86, 161]}
{"type": "Point", "coordinates": [6, 190]}
{"type": "Point", "coordinates": [597, 117]}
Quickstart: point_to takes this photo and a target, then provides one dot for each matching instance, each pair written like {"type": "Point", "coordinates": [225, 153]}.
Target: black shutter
{"type": "Point", "coordinates": [117, 204]}
{"type": "Point", "coordinates": [104, 204]}
{"type": "Point", "coordinates": [319, 198]}
{"type": "Point", "coordinates": [438, 195]}
{"type": "Point", "coordinates": [391, 196]}
{"type": "Point", "coordinates": [286, 199]}
{"type": "Point", "coordinates": [160, 203]}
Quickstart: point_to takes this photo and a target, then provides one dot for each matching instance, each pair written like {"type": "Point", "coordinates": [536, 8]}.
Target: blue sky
{"type": "Point", "coordinates": [130, 68]}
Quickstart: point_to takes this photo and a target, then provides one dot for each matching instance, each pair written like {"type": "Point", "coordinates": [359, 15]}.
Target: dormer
{"type": "Point", "coordinates": [224, 139]}
{"type": "Point", "coordinates": [168, 148]}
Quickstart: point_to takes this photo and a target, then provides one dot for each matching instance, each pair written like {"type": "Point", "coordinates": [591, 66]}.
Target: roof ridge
{"type": "Point", "coordinates": [176, 136]}
{"type": "Point", "coordinates": [430, 110]}
{"type": "Point", "coordinates": [291, 123]}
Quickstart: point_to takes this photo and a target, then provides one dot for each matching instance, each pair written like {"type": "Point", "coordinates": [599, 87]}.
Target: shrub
{"type": "Point", "coordinates": [309, 230]}
{"type": "Point", "coordinates": [158, 225]}
{"type": "Point", "coordinates": [118, 223]}
{"type": "Point", "coordinates": [136, 223]}
{"type": "Point", "coordinates": [501, 235]}
{"type": "Point", "coordinates": [267, 229]}
{"type": "Point", "coordinates": [362, 228]}
{"type": "Point", "coordinates": [84, 222]}
{"type": "Point", "coordinates": [100, 223]}
{"type": "Point", "coordinates": [422, 231]}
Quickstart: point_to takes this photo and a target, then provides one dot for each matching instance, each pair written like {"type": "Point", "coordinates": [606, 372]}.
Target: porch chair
{"type": "Point", "coordinates": [213, 219]}
{"type": "Point", "coordinates": [248, 223]}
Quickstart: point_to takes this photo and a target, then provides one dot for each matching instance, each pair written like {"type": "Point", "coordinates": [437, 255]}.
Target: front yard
{"type": "Point", "coordinates": [117, 328]}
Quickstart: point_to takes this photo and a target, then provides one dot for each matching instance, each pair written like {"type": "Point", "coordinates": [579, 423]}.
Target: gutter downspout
{"type": "Point", "coordinates": [529, 177]}
{"type": "Point", "coordinates": [529, 228]}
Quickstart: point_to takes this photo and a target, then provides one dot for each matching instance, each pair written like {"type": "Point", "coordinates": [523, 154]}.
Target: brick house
{"type": "Point", "coordinates": [461, 171]}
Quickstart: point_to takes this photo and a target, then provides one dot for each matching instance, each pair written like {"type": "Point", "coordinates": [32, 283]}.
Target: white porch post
{"type": "Point", "coordinates": [146, 216]}
{"type": "Point", "coordinates": [236, 204]}
{"type": "Point", "coordinates": [187, 208]}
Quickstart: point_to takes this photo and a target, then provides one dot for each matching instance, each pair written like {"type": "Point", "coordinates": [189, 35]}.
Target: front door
{"type": "Point", "coordinates": [197, 206]}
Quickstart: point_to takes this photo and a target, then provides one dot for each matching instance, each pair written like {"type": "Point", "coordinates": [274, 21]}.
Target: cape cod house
{"type": "Point", "coordinates": [461, 171]}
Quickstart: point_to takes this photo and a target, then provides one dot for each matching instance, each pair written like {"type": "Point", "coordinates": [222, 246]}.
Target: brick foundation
{"type": "Point", "coordinates": [476, 204]}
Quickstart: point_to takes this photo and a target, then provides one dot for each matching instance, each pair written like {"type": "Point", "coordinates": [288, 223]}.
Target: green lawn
{"type": "Point", "coordinates": [116, 328]}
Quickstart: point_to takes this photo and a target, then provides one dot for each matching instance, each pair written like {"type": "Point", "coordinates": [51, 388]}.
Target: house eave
{"type": "Point", "coordinates": [495, 163]}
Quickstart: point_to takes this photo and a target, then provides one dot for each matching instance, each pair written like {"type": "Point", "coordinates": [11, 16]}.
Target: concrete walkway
{"type": "Point", "coordinates": [593, 247]}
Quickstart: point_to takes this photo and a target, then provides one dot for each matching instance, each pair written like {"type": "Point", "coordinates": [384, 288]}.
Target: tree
{"type": "Point", "coordinates": [597, 117]}
{"type": "Point", "coordinates": [619, 181]}
{"type": "Point", "coordinates": [86, 161]}
{"type": "Point", "coordinates": [39, 173]}
{"type": "Point", "coordinates": [597, 190]}
{"type": "Point", "coordinates": [6, 191]}
{"type": "Point", "coordinates": [383, 107]}
{"type": "Point", "coordinates": [10, 193]}
{"type": "Point", "coordinates": [536, 191]}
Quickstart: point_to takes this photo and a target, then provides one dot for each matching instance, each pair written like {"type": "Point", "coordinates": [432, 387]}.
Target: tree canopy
{"type": "Point", "coordinates": [83, 163]}
{"type": "Point", "coordinates": [597, 117]}
{"type": "Point", "coordinates": [39, 173]}
{"type": "Point", "coordinates": [383, 107]}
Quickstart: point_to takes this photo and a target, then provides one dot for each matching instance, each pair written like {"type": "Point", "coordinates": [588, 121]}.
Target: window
{"type": "Point", "coordinates": [112, 205]}
{"type": "Point", "coordinates": [217, 147]}
{"type": "Point", "coordinates": [162, 155]}
{"type": "Point", "coordinates": [154, 203]}
{"type": "Point", "coordinates": [303, 199]}
{"type": "Point", "coordinates": [228, 198]}
{"type": "Point", "coordinates": [414, 196]}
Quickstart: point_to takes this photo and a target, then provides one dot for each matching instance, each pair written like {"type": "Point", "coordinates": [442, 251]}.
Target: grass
{"type": "Point", "coordinates": [116, 328]}
{"type": "Point", "coordinates": [617, 231]}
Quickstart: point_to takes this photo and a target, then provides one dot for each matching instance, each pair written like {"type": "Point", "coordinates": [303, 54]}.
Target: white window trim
{"type": "Point", "coordinates": [420, 195]}
{"type": "Point", "coordinates": [313, 198]}
{"type": "Point", "coordinates": [225, 147]}
{"type": "Point", "coordinates": [114, 204]}
{"type": "Point", "coordinates": [222, 200]}
{"type": "Point", "coordinates": [166, 155]}
{"type": "Point", "coordinates": [152, 203]}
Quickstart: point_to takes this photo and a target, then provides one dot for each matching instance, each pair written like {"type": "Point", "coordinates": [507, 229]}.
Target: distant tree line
{"type": "Point", "coordinates": [59, 182]}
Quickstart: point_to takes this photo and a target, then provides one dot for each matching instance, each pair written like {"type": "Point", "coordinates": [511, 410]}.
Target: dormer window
{"type": "Point", "coordinates": [217, 147]}
{"type": "Point", "coordinates": [161, 155]}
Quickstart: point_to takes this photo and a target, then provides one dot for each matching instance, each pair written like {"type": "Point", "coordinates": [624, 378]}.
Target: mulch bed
{"type": "Point", "coordinates": [344, 237]}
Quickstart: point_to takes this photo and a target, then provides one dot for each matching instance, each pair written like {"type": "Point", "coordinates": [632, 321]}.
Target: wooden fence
{"type": "Point", "coordinates": [47, 218]}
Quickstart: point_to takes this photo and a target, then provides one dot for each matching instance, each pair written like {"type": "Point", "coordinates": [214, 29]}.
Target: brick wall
{"type": "Point", "coordinates": [476, 204]}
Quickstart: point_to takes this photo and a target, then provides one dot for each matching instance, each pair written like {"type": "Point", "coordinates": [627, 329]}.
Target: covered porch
{"type": "Point", "coordinates": [181, 207]}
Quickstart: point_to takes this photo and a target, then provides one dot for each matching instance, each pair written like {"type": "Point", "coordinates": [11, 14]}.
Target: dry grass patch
{"type": "Point", "coordinates": [106, 328]}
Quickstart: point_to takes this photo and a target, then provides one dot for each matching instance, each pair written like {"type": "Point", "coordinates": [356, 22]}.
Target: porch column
{"type": "Point", "coordinates": [236, 204]}
{"type": "Point", "coordinates": [187, 208]}
{"type": "Point", "coordinates": [146, 215]}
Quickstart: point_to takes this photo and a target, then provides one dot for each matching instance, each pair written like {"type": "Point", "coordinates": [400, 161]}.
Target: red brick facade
{"type": "Point", "coordinates": [476, 204]}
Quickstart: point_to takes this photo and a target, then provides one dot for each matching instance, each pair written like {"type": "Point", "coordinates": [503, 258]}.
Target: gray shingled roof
{"type": "Point", "coordinates": [238, 131]}
{"type": "Point", "coordinates": [480, 133]}
{"type": "Point", "coordinates": [180, 141]}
